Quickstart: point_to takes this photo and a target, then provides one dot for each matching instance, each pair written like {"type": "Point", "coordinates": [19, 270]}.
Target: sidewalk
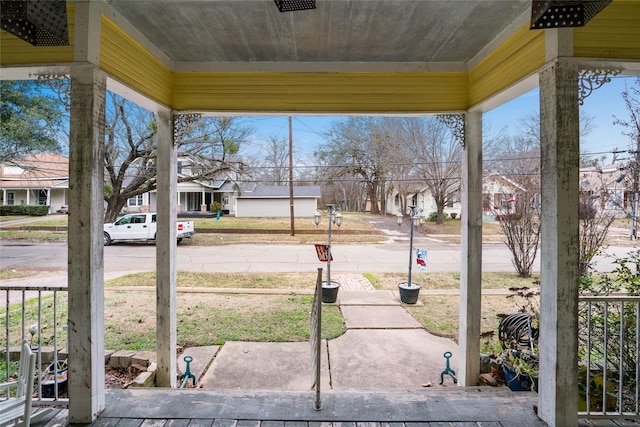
{"type": "Point", "coordinates": [383, 348]}
{"type": "Point", "coordinates": [28, 220]}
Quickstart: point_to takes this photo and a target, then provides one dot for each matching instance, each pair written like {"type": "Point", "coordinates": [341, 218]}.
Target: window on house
{"type": "Point", "coordinates": [506, 200]}
{"type": "Point", "coordinates": [135, 201]}
{"type": "Point", "coordinates": [225, 200]}
{"type": "Point", "coordinates": [625, 203]}
{"type": "Point", "coordinates": [613, 200]}
{"type": "Point", "coordinates": [194, 200]}
{"type": "Point", "coordinates": [449, 203]}
{"type": "Point", "coordinates": [11, 198]}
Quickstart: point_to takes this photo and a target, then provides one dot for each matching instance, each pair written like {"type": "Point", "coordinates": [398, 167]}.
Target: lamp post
{"type": "Point", "coordinates": [335, 217]}
{"type": "Point", "coordinates": [409, 291]}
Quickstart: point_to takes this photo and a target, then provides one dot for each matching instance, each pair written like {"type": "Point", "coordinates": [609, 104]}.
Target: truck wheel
{"type": "Point", "coordinates": [180, 240]}
{"type": "Point", "coordinates": [107, 239]}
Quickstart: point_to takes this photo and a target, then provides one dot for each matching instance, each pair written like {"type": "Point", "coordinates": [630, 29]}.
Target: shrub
{"type": "Point", "coordinates": [586, 211]}
{"type": "Point", "coordinates": [509, 217]}
{"type": "Point", "coordinates": [28, 210]}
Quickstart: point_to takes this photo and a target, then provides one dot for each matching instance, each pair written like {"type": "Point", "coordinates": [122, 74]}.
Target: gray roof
{"type": "Point", "coordinates": [282, 191]}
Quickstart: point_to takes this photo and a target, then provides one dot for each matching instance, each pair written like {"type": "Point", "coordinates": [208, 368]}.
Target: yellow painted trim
{"type": "Point", "coordinates": [518, 57]}
{"type": "Point", "coordinates": [15, 51]}
{"type": "Point", "coordinates": [321, 92]}
{"type": "Point", "coordinates": [613, 33]}
{"type": "Point", "coordinates": [127, 61]}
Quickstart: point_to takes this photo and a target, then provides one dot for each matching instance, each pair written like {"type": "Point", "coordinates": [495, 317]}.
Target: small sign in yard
{"type": "Point", "coordinates": [323, 252]}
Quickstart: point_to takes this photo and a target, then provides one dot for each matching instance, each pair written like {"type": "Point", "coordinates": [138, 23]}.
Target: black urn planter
{"type": "Point", "coordinates": [409, 294]}
{"type": "Point", "coordinates": [330, 291]}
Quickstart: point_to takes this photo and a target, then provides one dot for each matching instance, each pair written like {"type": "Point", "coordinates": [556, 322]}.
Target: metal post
{"type": "Point", "coordinates": [318, 362]}
{"type": "Point", "coordinates": [412, 212]}
{"type": "Point", "coordinates": [330, 209]}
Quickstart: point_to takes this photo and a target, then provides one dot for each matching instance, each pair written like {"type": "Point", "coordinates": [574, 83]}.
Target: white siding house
{"type": "Point", "coordinates": [609, 188]}
{"type": "Point", "coordinates": [418, 195]}
{"type": "Point", "coordinates": [41, 179]}
{"type": "Point", "coordinates": [273, 202]}
{"type": "Point", "coordinates": [498, 193]}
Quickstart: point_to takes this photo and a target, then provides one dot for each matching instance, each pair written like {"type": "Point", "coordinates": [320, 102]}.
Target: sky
{"type": "Point", "coordinates": [603, 104]}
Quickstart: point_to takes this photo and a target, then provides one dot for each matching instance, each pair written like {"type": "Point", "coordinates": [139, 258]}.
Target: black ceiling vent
{"type": "Point", "coordinates": [41, 23]}
{"type": "Point", "coordinates": [564, 13]}
{"type": "Point", "coordinates": [293, 5]}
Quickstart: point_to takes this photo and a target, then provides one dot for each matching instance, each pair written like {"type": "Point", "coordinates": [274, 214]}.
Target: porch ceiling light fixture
{"type": "Point", "coordinates": [564, 13]}
{"type": "Point", "coordinates": [293, 5]}
{"type": "Point", "coordinates": [40, 23]}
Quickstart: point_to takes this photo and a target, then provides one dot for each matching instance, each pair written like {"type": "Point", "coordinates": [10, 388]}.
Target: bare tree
{"type": "Point", "coordinates": [522, 230]}
{"type": "Point", "coordinates": [437, 159]}
{"type": "Point", "coordinates": [358, 148]}
{"type": "Point", "coordinates": [594, 227]}
{"type": "Point", "coordinates": [131, 150]}
{"type": "Point", "coordinates": [402, 171]}
{"type": "Point", "coordinates": [518, 159]}
{"type": "Point", "coordinates": [631, 97]}
{"type": "Point", "coordinates": [269, 161]}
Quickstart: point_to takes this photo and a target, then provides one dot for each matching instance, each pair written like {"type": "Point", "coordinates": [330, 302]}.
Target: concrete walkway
{"type": "Point", "coordinates": [383, 348]}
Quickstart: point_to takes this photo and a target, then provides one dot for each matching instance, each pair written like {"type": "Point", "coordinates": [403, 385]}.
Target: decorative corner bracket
{"type": "Point", "coordinates": [61, 85]}
{"type": "Point", "coordinates": [590, 80]}
{"type": "Point", "coordinates": [455, 123]}
{"type": "Point", "coordinates": [181, 123]}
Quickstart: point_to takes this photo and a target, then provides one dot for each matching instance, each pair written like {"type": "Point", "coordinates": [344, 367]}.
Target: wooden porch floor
{"type": "Point", "coordinates": [467, 407]}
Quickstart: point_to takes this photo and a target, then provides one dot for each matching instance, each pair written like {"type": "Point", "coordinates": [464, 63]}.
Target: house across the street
{"type": "Point", "coordinates": [498, 194]}
{"type": "Point", "coordinates": [273, 201]}
{"type": "Point", "coordinates": [41, 179]}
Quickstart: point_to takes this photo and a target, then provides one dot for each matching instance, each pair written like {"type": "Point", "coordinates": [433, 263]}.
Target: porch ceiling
{"type": "Point", "coordinates": [355, 32]}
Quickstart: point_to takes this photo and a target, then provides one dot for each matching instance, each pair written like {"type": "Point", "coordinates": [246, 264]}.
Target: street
{"type": "Point", "coordinates": [250, 258]}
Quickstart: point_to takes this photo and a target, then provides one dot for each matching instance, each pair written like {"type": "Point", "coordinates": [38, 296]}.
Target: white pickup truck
{"type": "Point", "coordinates": [141, 226]}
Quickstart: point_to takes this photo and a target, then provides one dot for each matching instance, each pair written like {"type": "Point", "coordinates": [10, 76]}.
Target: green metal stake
{"type": "Point", "coordinates": [188, 374]}
{"type": "Point", "coordinates": [448, 370]}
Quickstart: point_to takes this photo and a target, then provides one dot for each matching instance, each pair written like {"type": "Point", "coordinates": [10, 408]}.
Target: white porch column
{"type": "Point", "coordinates": [86, 263]}
{"type": "Point", "coordinates": [166, 251]}
{"type": "Point", "coordinates": [471, 268]}
{"type": "Point", "coordinates": [559, 134]}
